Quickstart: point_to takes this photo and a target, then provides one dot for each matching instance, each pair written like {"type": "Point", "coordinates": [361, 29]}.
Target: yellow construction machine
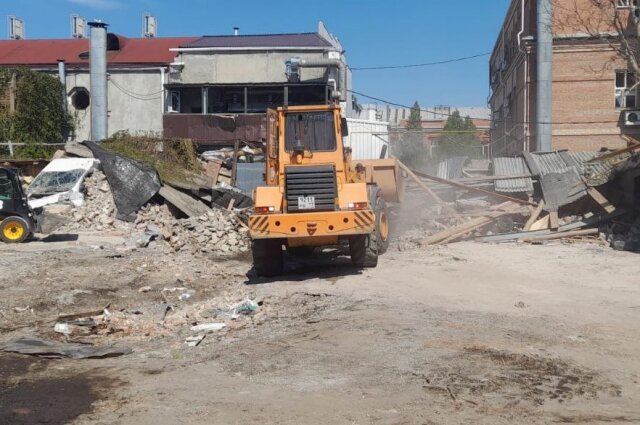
{"type": "Point", "coordinates": [315, 195]}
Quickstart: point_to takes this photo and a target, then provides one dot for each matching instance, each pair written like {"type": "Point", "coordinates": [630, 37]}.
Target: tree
{"type": "Point", "coordinates": [415, 118]}
{"type": "Point", "coordinates": [412, 149]}
{"type": "Point", "coordinates": [606, 22]}
{"type": "Point", "coordinates": [39, 117]}
{"type": "Point", "coordinates": [459, 138]}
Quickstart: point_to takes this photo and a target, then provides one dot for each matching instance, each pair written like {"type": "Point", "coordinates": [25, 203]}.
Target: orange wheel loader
{"type": "Point", "coordinates": [314, 196]}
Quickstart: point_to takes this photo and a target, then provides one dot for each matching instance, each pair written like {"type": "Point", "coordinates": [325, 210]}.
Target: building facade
{"type": "Point", "coordinates": [592, 86]}
{"type": "Point", "coordinates": [212, 89]}
{"type": "Point", "coordinates": [220, 87]}
{"type": "Point", "coordinates": [138, 69]}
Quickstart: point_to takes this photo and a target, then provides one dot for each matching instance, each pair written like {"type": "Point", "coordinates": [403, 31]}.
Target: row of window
{"type": "Point", "coordinates": [620, 4]}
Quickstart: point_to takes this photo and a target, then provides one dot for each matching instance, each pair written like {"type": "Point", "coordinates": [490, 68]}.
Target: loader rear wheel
{"type": "Point", "coordinates": [383, 227]}
{"type": "Point", "coordinates": [364, 250]}
{"type": "Point", "coordinates": [267, 257]}
{"type": "Point", "coordinates": [14, 230]}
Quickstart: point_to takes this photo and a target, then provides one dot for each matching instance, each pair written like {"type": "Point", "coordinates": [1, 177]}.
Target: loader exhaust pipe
{"type": "Point", "coordinates": [293, 66]}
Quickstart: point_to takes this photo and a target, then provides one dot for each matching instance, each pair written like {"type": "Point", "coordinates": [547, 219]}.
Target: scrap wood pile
{"type": "Point", "coordinates": [547, 196]}
{"type": "Point", "coordinates": [187, 209]}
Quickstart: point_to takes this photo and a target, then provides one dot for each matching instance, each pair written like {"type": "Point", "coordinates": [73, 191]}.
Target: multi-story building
{"type": "Point", "coordinates": [212, 89]}
{"type": "Point", "coordinates": [591, 94]}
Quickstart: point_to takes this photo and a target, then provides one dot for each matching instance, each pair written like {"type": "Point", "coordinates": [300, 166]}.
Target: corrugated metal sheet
{"type": "Point", "coordinates": [367, 138]}
{"type": "Point", "coordinates": [595, 173]}
{"type": "Point", "coordinates": [544, 163]}
{"type": "Point", "coordinates": [249, 176]}
{"type": "Point", "coordinates": [451, 168]}
{"type": "Point", "coordinates": [512, 167]}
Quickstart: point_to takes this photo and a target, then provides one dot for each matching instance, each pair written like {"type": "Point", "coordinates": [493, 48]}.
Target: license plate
{"type": "Point", "coordinates": [306, 202]}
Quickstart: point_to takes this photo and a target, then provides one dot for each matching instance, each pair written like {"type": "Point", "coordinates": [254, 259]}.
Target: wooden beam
{"type": "Point", "coordinates": [562, 235]}
{"type": "Point", "coordinates": [554, 221]}
{"type": "Point", "coordinates": [534, 216]}
{"type": "Point", "coordinates": [185, 203]}
{"type": "Point", "coordinates": [601, 200]}
{"type": "Point", "coordinates": [421, 183]}
{"type": "Point", "coordinates": [474, 189]}
{"type": "Point", "coordinates": [616, 153]}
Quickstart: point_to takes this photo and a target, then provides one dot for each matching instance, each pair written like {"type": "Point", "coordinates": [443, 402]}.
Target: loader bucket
{"type": "Point", "coordinates": [388, 176]}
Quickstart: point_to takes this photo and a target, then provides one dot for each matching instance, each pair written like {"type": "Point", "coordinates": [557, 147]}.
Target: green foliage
{"type": "Point", "coordinates": [459, 138]}
{"type": "Point", "coordinates": [39, 115]}
{"type": "Point", "coordinates": [415, 118]}
{"type": "Point", "coordinates": [172, 158]}
{"type": "Point", "coordinates": [411, 143]}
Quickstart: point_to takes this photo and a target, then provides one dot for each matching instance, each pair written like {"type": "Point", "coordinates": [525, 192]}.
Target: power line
{"type": "Point", "coordinates": [476, 118]}
{"type": "Point", "coordinates": [420, 65]}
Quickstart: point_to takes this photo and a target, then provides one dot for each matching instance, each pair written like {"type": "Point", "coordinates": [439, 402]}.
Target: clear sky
{"type": "Point", "coordinates": [373, 32]}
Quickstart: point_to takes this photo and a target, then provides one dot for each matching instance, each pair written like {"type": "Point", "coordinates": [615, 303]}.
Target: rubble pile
{"type": "Point", "coordinates": [215, 232]}
{"type": "Point", "coordinates": [98, 212]}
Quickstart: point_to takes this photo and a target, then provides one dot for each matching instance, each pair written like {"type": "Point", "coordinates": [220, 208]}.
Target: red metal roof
{"type": "Point", "coordinates": [133, 51]}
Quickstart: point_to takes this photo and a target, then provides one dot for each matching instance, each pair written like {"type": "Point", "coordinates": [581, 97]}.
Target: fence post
{"type": "Point", "coordinates": [10, 148]}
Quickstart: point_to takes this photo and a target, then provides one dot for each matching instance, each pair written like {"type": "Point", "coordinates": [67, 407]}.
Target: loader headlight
{"type": "Point", "coordinates": [358, 205]}
{"type": "Point", "coordinates": [265, 210]}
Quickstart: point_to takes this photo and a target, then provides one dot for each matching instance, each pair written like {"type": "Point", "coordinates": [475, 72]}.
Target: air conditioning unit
{"type": "Point", "coordinates": [632, 118]}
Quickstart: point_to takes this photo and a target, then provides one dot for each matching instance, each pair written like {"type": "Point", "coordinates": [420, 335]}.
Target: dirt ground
{"type": "Point", "coordinates": [463, 334]}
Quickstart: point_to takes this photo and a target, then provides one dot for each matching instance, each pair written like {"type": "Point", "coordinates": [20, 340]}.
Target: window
{"type": "Point", "coordinates": [626, 90]}
{"type": "Point", "coordinates": [623, 4]}
{"type": "Point", "coordinates": [315, 131]}
{"type": "Point", "coordinates": [80, 98]}
{"type": "Point", "coordinates": [6, 186]}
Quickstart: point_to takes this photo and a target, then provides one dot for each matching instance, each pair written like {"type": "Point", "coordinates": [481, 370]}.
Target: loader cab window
{"type": "Point", "coordinates": [6, 186]}
{"type": "Point", "coordinates": [315, 131]}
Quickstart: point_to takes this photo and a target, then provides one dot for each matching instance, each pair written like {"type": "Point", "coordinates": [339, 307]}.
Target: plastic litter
{"type": "Point", "coordinates": [246, 307]}
{"type": "Point", "coordinates": [208, 327]}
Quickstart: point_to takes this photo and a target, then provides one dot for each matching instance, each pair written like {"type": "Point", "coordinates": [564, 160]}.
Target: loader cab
{"type": "Point", "coordinates": [17, 220]}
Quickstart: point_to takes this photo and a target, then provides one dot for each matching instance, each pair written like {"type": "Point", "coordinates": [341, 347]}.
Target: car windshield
{"type": "Point", "coordinates": [315, 131]}
{"type": "Point", "coordinates": [51, 182]}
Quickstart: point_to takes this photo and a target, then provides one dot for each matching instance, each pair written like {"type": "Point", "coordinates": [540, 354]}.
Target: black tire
{"type": "Point", "coordinates": [364, 250]}
{"type": "Point", "coordinates": [268, 260]}
{"type": "Point", "coordinates": [381, 208]}
{"type": "Point", "coordinates": [14, 230]}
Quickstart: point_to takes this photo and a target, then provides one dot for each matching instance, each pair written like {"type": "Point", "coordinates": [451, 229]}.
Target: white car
{"type": "Point", "coordinates": [60, 181]}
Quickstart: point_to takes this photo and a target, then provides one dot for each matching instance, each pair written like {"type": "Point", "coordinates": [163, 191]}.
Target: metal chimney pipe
{"type": "Point", "coordinates": [327, 63]}
{"type": "Point", "coordinates": [544, 95]}
{"type": "Point", "coordinates": [98, 77]}
{"type": "Point", "coordinates": [236, 30]}
{"type": "Point", "coordinates": [62, 75]}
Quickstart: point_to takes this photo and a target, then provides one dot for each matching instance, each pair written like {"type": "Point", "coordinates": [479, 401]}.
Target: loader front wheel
{"type": "Point", "coordinates": [383, 227]}
{"type": "Point", "coordinates": [14, 230]}
{"type": "Point", "coordinates": [364, 250]}
{"type": "Point", "coordinates": [267, 257]}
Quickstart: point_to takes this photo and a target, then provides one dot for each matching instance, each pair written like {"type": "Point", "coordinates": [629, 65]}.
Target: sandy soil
{"type": "Point", "coordinates": [467, 333]}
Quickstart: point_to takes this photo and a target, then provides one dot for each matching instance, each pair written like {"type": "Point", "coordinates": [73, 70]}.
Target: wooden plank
{"type": "Point", "coordinates": [554, 221]}
{"type": "Point", "coordinates": [616, 153]}
{"type": "Point", "coordinates": [420, 183]}
{"type": "Point", "coordinates": [601, 200]}
{"type": "Point", "coordinates": [236, 147]}
{"type": "Point", "coordinates": [587, 222]}
{"type": "Point", "coordinates": [534, 216]}
{"type": "Point", "coordinates": [185, 203]}
{"type": "Point", "coordinates": [455, 232]}
{"type": "Point", "coordinates": [541, 224]}
{"type": "Point", "coordinates": [474, 189]}
{"type": "Point", "coordinates": [562, 235]}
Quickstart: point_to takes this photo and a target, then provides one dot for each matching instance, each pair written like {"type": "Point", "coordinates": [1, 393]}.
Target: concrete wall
{"type": "Point", "coordinates": [217, 67]}
{"type": "Point", "coordinates": [135, 101]}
